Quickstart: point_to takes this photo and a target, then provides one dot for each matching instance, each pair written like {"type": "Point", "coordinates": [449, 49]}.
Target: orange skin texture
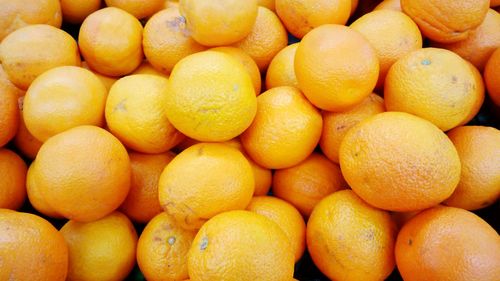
{"type": "Point", "coordinates": [337, 124]}
{"type": "Point", "coordinates": [142, 202]}
{"type": "Point", "coordinates": [162, 249]}
{"type": "Point", "coordinates": [351, 240]}
{"type": "Point", "coordinates": [75, 11]}
{"type": "Point", "coordinates": [32, 249]}
{"type": "Point", "coordinates": [344, 79]}
{"type": "Point", "coordinates": [305, 184]}
{"type": "Point", "coordinates": [204, 180]}
{"type": "Point", "coordinates": [479, 150]}
{"type": "Point", "coordinates": [13, 180]}
{"type": "Point", "coordinates": [420, 169]}
{"type": "Point", "coordinates": [24, 141]}
{"type": "Point", "coordinates": [110, 41]}
{"type": "Point", "coordinates": [434, 84]}
{"type": "Point", "coordinates": [286, 217]}
{"type": "Point", "coordinates": [240, 245]}
{"type": "Point", "coordinates": [492, 77]}
{"type": "Point", "coordinates": [28, 52]}
{"type": "Point", "coordinates": [138, 8]}
{"type": "Point", "coordinates": [302, 16]}
{"type": "Point", "coordinates": [9, 109]}
{"type": "Point", "coordinates": [446, 21]}
{"type": "Point", "coordinates": [270, 4]}
{"type": "Point", "coordinates": [91, 183]}
{"type": "Point", "coordinates": [267, 38]}
{"type": "Point", "coordinates": [111, 240]}
{"type": "Point", "coordinates": [285, 130]}
{"type": "Point", "coordinates": [446, 243]}
{"type": "Point", "coordinates": [166, 40]}
{"type": "Point", "coordinates": [394, 5]}
{"type": "Point", "coordinates": [281, 70]}
{"type": "Point", "coordinates": [35, 195]}
{"type": "Point", "coordinates": [107, 81]}
{"type": "Point", "coordinates": [147, 68]}
{"type": "Point", "coordinates": [479, 94]}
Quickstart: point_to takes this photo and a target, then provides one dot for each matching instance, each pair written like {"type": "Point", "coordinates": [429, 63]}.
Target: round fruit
{"type": "Point", "coordinates": [75, 11]}
{"type": "Point", "coordinates": [9, 109]}
{"type": "Point", "coordinates": [492, 77]}
{"type": "Point", "coordinates": [24, 141]}
{"type": "Point", "coordinates": [35, 196]}
{"type": "Point", "coordinates": [13, 180]}
{"type": "Point", "coordinates": [281, 70]}
{"type": "Point", "coordinates": [138, 8]}
{"type": "Point", "coordinates": [107, 81]}
{"type": "Point", "coordinates": [394, 5]}
{"type": "Point", "coordinates": [267, 3]}
{"type": "Point", "coordinates": [147, 68]}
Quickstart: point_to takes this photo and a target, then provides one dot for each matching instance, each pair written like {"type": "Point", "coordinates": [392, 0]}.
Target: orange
{"type": "Point", "coordinates": [204, 180]}
{"type": "Point", "coordinates": [492, 76]}
{"type": "Point", "coordinates": [336, 67]}
{"type": "Point", "coordinates": [478, 94]}
{"type": "Point", "coordinates": [434, 84]}
{"type": "Point", "coordinates": [446, 21]}
{"type": "Point", "coordinates": [63, 98]}
{"type": "Point", "coordinates": [354, 6]}
{"type": "Point", "coordinates": [136, 113]}
{"type": "Point", "coordinates": [13, 180]}
{"type": "Point", "coordinates": [399, 162]}
{"type": "Point", "coordinates": [394, 5]}
{"type": "Point", "coordinates": [285, 130]}
{"type": "Point", "coordinates": [166, 40]}
{"type": "Point", "coordinates": [302, 16]}
{"type": "Point", "coordinates": [337, 124]}
{"type": "Point", "coordinates": [75, 11]}
{"type": "Point", "coordinates": [481, 42]}
{"type": "Point", "coordinates": [147, 68]}
{"type": "Point", "coordinates": [494, 3]}
{"type": "Point", "coordinates": [110, 40]}
{"type": "Point", "coordinates": [212, 97]}
{"type": "Point", "coordinates": [162, 249]}
{"type": "Point", "coordinates": [20, 13]}
{"type": "Point", "coordinates": [24, 141]}
{"type": "Point", "coordinates": [35, 196]}
{"type": "Point", "coordinates": [286, 217]}
{"type": "Point", "coordinates": [138, 8]}
{"type": "Point", "coordinates": [219, 22]}
{"type": "Point", "coordinates": [305, 184]}
{"type": "Point", "coordinates": [267, 38]}
{"type": "Point", "coordinates": [270, 4]}
{"type": "Point", "coordinates": [351, 240]}
{"type": "Point", "coordinates": [281, 70]}
{"type": "Point", "coordinates": [34, 49]}
{"type": "Point", "coordinates": [392, 34]}
{"type": "Point", "coordinates": [248, 63]}
{"type": "Point", "coordinates": [474, 253]}
{"type": "Point", "coordinates": [255, 246]}
{"type": "Point", "coordinates": [100, 250]}
{"type": "Point", "coordinates": [9, 109]}
{"type": "Point", "coordinates": [106, 80]}
{"type": "Point", "coordinates": [31, 248]}
{"type": "Point", "coordinates": [479, 150]}
{"type": "Point", "coordinates": [142, 202]}
{"type": "Point", "coordinates": [403, 217]}
{"type": "Point", "coordinates": [83, 173]}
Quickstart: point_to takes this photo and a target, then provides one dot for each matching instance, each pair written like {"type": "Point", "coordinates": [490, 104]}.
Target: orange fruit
{"type": "Point", "coordinates": [267, 37]}
{"type": "Point", "coordinates": [420, 166]}
{"type": "Point", "coordinates": [492, 76]}
{"type": "Point", "coordinates": [136, 113]}
{"type": "Point", "coordinates": [351, 240]}
{"type": "Point", "coordinates": [248, 63]}
{"type": "Point", "coordinates": [354, 6]}
{"type": "Point", "coordinates": [286, 217]}
{"type": "Point", "coordinates": [285, 130]}
{"type": "Point", "coordinates": [142, 202]}
{"type": "Point", "coordinates": [281, 70]}
{"type": "Point", "coordinates": [109, 241]}
{"type": "Point", "coordinates": [434, 84]}
{"type": "Point", "coordinates": [138, 8]}
{"type": "Point", "coordinates": [212, 97]}
{"type": "Point", "coordinates": [479, 150]}
{"type": "Point", "coordinates": [76, 11]}
{"type": "Point", "coordinates": [24, 141]}
{"type": "Point", "coordinates": [446, 21]}
{"type": "Point", "coordinates": [255, 246]}
{"type": "Point", "coordinates": [305, 184]}
{"type": "Point", "coordinates": [336, 67]}
{"type": "Point", "coordinates": [481, 42]}
{"type": "Point", "coordinates": [34, 49]}
{"type": "Point", "coordinates": [337, 124]}
{"type": "Point", "coordinates": [166, 40]}
{"type": "Point", "coordinates": [475, 254]}
{"type": "Point", "coordinates": [147, 68]}
{"type": "Point", "coordinates": [31, 248]}
{"type": "Point", "coordinates": [270, 4]}
{"type": "Point", "coordinates": [107, 81]}
{"type": "Point", "coordinates": [494, 3]}
{"type": "Point", "coordinates": [63, 98]}
{"type": "Point", "coordinates": [110, 40]}
{"type": "Point", "coordinates": [204, 180]}
{"type": "Point", "coordinates": [13, 180]}
{"type": "Point", "coordinates": [20, 13]}
{"type": "Point", "coordinates": [403, 217]}
{"type": "Point", "coordinates": [9, 109]}
{"type": "Point", "coordinates": [392, 34]}
{"type": "Point", "coordinates": [478, 94]}
{"type": "Point", "coordinates": [302, 16]}
{"type": "Point", "coordinates": [394, 5]}
{"type": "Point", "coordinates": [35, 195]}
{"type": "Point", "coordinates": [162, 249]}
{"type": "Point", "coordinates": [89, 184]}
{"type": "Point", "coordinates": [219, 22]}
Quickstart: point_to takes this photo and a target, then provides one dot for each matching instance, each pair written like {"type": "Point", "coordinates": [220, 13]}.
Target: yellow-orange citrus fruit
{"type": "Point", "coordinates": [479, 94]}
{"type": "Point", "coordinates": [9, 109]}
{"type": "Point", "coordinates": [494, 3]}
{"type": "Point", "coordinates": [394, 5]}
{"type": "Point", "coordinates": [281, 70]}
{"type": "Point", "coordinates": [138, 8]}
{"type": "Point", "coordinates": [492, 77]}
{"type": "Point", "coordinates": [147, 68]}
{"type": "Point", "coordinates": [270, 4]}
{"type": "Point", "coordinates": [420, 166]}
{"type": "Point", "coordinates": [351, 240]}
{"type": "Point", "coordinates": [35, 195]}
{"type": "Point", "coordinates": [107, 81]}
{"type": "Point", "coordinates": [13, 180]}
{"type": "Point", "coordinates": [75, 11]}
{"type": "Point", "coordinates": [24, 141]}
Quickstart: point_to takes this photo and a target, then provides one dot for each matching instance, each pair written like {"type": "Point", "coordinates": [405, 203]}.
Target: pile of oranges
{"type": "Point", "coordinates": [191, 139]}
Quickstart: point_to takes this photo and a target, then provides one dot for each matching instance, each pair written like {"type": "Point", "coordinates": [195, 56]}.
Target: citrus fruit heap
{"type": "Point", "coordinates": [244, 140]}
